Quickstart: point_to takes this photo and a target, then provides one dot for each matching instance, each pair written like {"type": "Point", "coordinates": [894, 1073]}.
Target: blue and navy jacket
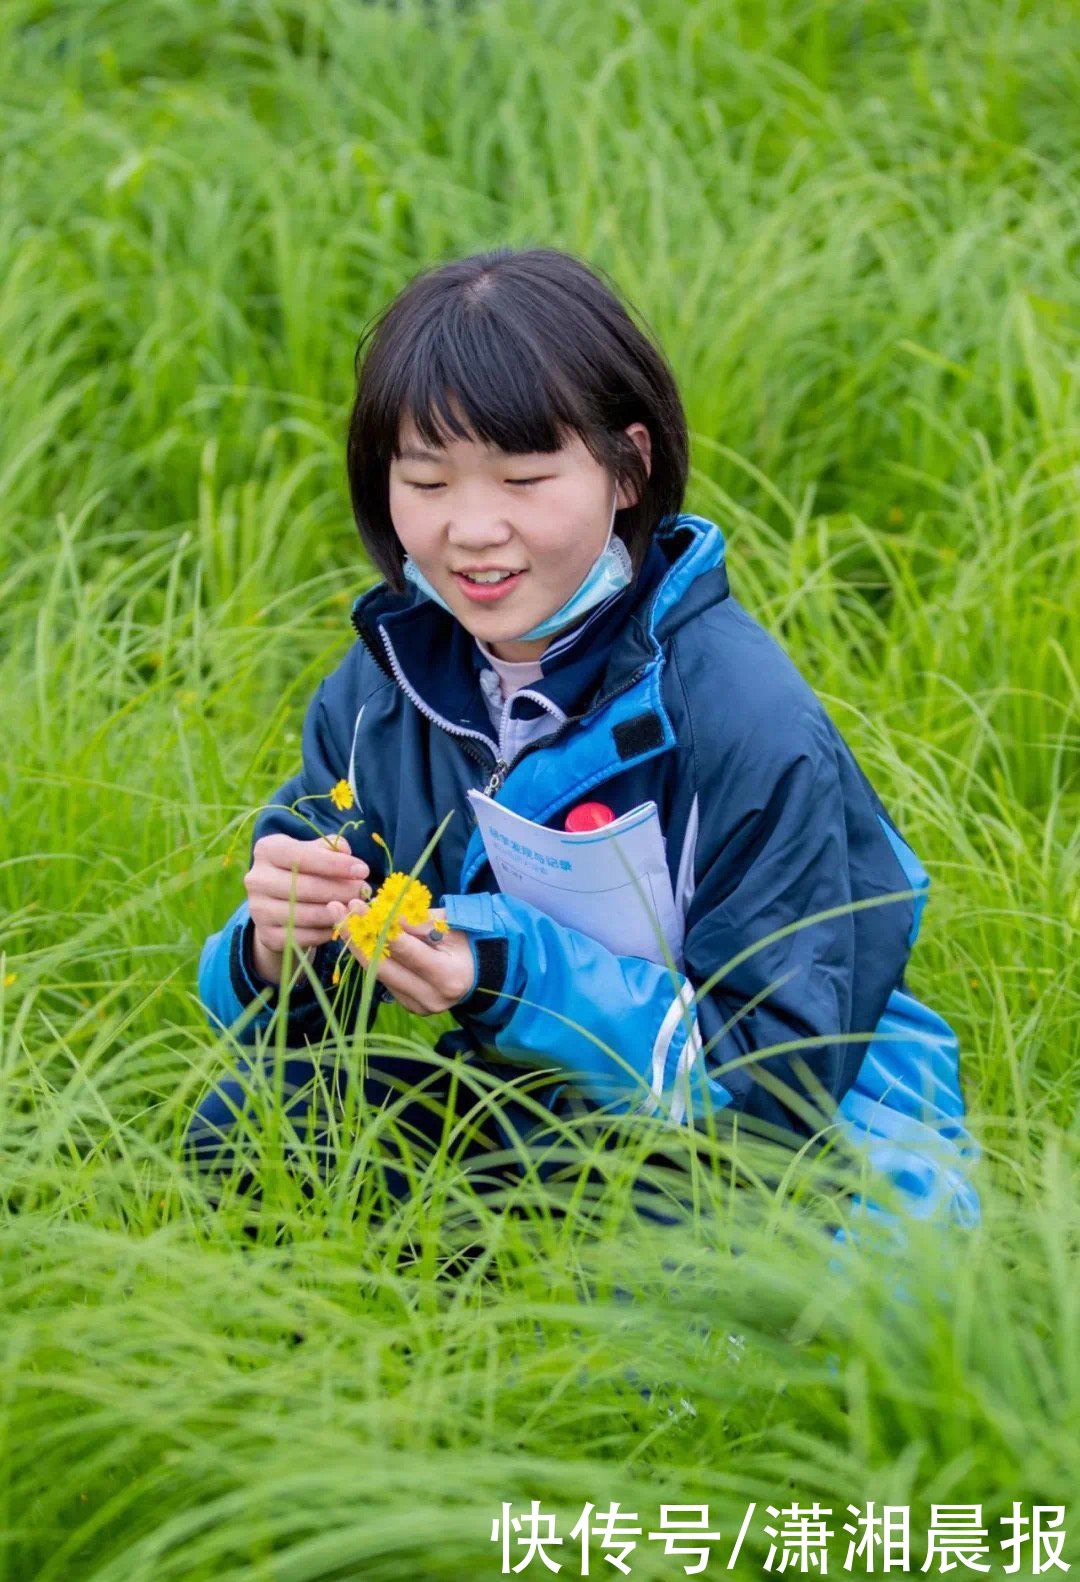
{"type": "Point", "coordinates": [679, 696]}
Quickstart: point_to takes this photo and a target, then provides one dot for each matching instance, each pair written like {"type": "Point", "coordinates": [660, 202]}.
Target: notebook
{"type": "Point", "coordinates": [611, 883]}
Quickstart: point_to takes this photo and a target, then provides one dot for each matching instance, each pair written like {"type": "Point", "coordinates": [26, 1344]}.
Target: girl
{"type": "Point", "coordinates": [554, 630]}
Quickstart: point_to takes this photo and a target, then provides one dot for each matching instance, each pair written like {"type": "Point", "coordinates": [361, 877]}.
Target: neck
{"type": "Point", "coordinates": [516, 648]}
{"type": "Point", "coordinates": [517, 651]}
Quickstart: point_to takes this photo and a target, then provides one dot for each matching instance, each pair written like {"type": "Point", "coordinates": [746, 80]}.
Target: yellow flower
{"type": "Point", "coordinates": [364, 928]}
{"type": "Point", "coordinates": [9, 979]}
{"type": "Point", "coordinates": [341, 795]}
{"type": "Point", "coordinates": [359, 930]}
{"type": "Point", "coordinates": [416, 897]}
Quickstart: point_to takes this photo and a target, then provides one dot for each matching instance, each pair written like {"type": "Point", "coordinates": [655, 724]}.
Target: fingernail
{"type": "Point", "coordinates": [365, 891]}
{"type": "Point", "coordinates": [358, 870]}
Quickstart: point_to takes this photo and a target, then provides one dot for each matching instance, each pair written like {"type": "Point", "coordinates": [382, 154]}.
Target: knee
{"type": "Point", "coordinates": [217, 1124]}
{"type": "Point", "coordinates": [232, 1114]}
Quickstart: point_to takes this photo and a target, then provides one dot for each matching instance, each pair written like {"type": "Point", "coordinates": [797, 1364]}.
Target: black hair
{"type": "Point", "coordinates": [530, 343]}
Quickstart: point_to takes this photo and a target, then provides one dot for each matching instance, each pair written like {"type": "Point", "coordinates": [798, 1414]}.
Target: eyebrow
{"type": "Point", "coordinates": [415, 453]}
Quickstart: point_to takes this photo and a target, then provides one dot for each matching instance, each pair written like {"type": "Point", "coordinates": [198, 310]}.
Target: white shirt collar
{"type": "Point", "coordinates": [519, 672]}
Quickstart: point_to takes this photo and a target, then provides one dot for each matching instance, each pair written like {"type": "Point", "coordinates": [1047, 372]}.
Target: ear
{"type": "Point", "coordinates": [643, 440]}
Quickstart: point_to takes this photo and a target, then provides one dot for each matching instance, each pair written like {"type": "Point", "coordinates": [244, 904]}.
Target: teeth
{"type": "Point", "coordinates": [488, 576]}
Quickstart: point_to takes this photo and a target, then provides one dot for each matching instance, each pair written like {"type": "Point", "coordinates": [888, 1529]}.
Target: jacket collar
{"type": "Point", "coordinates": [437, 662]}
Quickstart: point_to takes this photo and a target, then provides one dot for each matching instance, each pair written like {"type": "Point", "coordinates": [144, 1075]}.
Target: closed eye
{"type": "Point", "coordinates": [517, 482]}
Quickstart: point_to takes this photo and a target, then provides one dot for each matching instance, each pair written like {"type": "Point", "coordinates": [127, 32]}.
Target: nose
{"type": "Point", "coordinates": [478, 527]}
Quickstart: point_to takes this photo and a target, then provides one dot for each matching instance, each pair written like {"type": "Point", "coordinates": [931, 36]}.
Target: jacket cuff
{"type": "Point", "coordinates": [248, 983]}
{"type": "Point", "coordinates": [485, 1002]}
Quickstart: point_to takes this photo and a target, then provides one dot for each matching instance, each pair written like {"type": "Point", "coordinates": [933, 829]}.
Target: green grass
{"type": "Point", "coordinates": [854, 228]}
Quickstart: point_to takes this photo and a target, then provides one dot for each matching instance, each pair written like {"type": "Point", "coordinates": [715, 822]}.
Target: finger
{"type": "Point", "coordinates": [275, 914]}
{"type": "Point", "coordinates": [280, 883]}
{"type": "Point", "coordinates": [302, 937]}
{"type": "Point", "coordinates": [412, 944]}
{"type": "Point", "coordinates": [425, 932]}
{"type": "Point", "coordinates": [423, 965]}
{"type": "Point", "coordinates": [316, 857]}
{"type": "Point", "coordinates": [337, 913]}
{"type": "Point", "coordinates": [407, 987]}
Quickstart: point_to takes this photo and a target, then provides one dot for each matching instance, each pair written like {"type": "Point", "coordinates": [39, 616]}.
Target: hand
{"type": "Point", "coordinates": [315, 875]}
{"type": "Point", "coordinates": [425, 977]}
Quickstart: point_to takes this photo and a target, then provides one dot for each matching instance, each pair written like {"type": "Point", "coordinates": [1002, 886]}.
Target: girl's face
{"type": "Point", "coordinates": [466, 507]}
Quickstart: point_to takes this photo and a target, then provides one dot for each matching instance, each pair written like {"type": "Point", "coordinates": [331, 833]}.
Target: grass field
{"type": "Point", "coordinates": [855, 229]}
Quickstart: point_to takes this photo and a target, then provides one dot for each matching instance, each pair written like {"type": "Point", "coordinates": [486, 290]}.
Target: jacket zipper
{"type": "Point", "coordinates": [501, 768]}
{"type": "Point", "coordinates": [467, 736]}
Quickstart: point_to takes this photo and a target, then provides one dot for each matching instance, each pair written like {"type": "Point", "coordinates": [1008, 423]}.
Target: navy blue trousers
{"type": "Point", "coordinates": [427, 1103]}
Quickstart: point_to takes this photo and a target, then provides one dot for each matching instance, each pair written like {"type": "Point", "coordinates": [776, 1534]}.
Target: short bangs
{"type": "Point", "coordinates": [528, 346]}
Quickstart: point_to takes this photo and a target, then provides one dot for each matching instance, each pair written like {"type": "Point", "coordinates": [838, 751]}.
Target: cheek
{"type": "Point", "coordinates": [408, 520]}
{"type": "Point", "coordinates": [572, 550]}
{"type": "Point", "coordinates": [560, 538]}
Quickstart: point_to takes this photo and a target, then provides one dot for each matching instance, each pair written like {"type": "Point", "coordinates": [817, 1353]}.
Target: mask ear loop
{"type": "Point", "coordinates": [620, 548]}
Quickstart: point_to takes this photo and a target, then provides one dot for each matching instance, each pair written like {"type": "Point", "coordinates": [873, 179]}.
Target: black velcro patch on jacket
{"type": "Point", "coordinates": [492, 962]}
{"type": "Point", "coordinates": [638, 735]}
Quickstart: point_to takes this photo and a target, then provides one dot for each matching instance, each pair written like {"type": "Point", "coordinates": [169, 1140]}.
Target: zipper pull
{"type": "Point", "coordinates": [497, 778]}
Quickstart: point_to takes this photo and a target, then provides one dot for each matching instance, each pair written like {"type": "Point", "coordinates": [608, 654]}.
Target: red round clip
{"type": "Point", "coordinates": [588, 815]}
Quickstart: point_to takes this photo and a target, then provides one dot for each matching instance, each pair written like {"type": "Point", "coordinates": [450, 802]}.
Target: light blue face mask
{"type": "Point", "coordinates": [609, 573]}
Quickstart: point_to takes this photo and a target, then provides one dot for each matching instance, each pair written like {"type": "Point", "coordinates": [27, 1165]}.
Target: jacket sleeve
{"type": "Point", "coordinates": [229, 983]}
{"type": "Point", "coordinates": [780, 856]}
{"type": "Point", "coordinates": [228, 980]}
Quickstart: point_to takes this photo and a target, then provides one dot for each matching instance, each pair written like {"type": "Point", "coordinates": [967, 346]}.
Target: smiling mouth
{"type": "Point", "coordinates": [486, 579]}
{"type": "Point", "coordinates": [485, 592]}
